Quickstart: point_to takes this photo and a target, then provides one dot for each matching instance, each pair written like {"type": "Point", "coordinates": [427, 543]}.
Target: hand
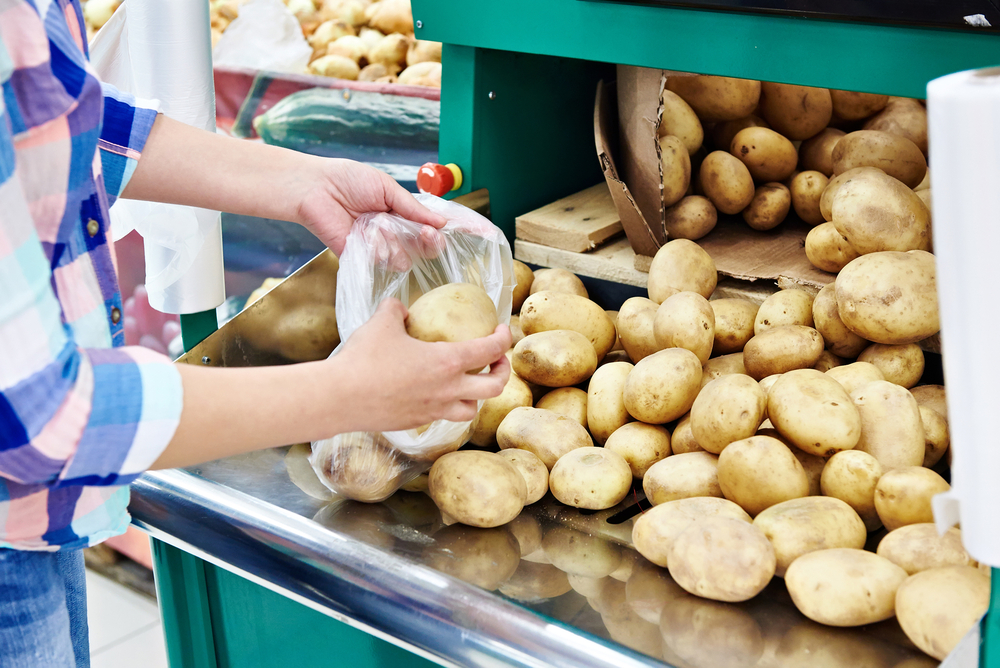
{"type": "Point", "coordinates": [345, 189]}
{"type": "Point", "coordinates": [399, 382]}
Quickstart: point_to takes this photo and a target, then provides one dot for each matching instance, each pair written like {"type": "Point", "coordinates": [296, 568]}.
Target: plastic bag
{"type": "Point", "coordinates": [389, 256]}
{"type": "Point", "coordinates": [265, 36]}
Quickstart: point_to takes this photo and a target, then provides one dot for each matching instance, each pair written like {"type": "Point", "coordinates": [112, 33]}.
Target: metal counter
{"type": "Point", "coordinates": [395, 571]}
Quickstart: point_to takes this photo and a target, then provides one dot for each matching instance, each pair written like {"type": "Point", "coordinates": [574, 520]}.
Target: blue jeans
{"type": "Point", "coordinates": [43, 610]}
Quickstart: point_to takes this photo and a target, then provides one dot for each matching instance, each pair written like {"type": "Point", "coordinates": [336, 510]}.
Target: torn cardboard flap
{"type": "Point", "coordinates": [639, 112]}
{"type": "Point", "coordinates": [643, 239]}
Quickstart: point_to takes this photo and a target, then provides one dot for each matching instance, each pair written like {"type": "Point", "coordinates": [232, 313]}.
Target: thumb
{"type": "Point", "coordinates": [391, 312]}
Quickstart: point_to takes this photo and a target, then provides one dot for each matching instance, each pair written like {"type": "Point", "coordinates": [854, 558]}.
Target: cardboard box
{"type": "Point", "coordinates": [626, 117]}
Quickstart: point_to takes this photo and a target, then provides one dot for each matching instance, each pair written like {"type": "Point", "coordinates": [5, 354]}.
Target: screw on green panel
{"type": "Point", "coordinates": [196, 326]}
{"type": "Point", "coordinates": [989, 650]}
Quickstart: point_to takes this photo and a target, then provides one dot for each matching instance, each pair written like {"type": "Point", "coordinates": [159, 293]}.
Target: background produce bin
{"type": "Point", "coordinates": [516, 117]}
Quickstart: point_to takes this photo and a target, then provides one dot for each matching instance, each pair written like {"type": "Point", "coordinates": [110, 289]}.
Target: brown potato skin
{"type": "Point", "coordinates": [768, 155]}
{"type": "Point", "coordinates": [686, 320]}
{"type": "Point", "coordinates": [816, 153]}
{"type": "Point", "coordinates": [543, 433]}
{"type": "Point", "coordinates": [903, 496]}
{"type": "Point", "coordinates": [828, 249]}
{"type": "Point", "coordinates": [662, 387]}
{"type": "Point", "coordinates": [839, 340]}
{"type": "Point", "coordinates": [654, 531]}
{"type": "Point", "coordinates": [759, 472]}
{"type": "Point", "coordinates": [691, 218]}
{"type": "Point", "coordinates": [782, 349]}
{"type": "Point", "coordinates": [635, 327]}
{"type": "Point", "coordinates": [897, 156]}
{"type": "Point", "coordinates": [682, 476]}
{"type": "Point", "coordinates": [556, 358]}
{"type": "Point", "coordinates": [728, 409]}
{"type": "Point", "coordinates": [606, 411]}
{"type": "Point", "coordinates": [557, 280]}
{"type": "Point", "coordinates": [904, 118]}
{"type": "Point", "coordinates": [723, 133]}
{"type": "Point", "coordinates": [769, 206]}
{"type": "Point", "coordinates": [876, 212]}
{"type": "Point", "coordinates": [675, 164]}
{"type": "Point", "coordinates": [807, 524]}
{"type": "Point", "coordinates": [679, 120]}
{"type": "Point", "coordinates": [679, 266]}
{"type": "Point", "coordinates": [516, 393]}
{"type": "Point", "coordinates": [479, 489]}
{"type": "Point", "coordinates": [726, 181]}
{"type": "Point", "coordinates": [734, 324]}
{"type": "Point", "coordinates": [716, 98]}
{"type": "Point", "coordinates": [826, 199]}
{"type": "Point", "coordinates": [524, 277]}
{"type": "Point", "coordinates": [852, 476]}
{"type": "Point", "coordinates": [797, 112]}
{"type": "Point", "coordinates": [546, 311]}
{"type": "Point", "coordinates": [902, 364]}
{"type": "Point", "coordinates": [807, 189]}
{"type": "Point", "coordinates": [853, 106]}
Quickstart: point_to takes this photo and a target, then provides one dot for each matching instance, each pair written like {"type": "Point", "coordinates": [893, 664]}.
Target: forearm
{"type": "Point", "coordinates": [236, 410]}
{"type": "Point", "coordinates": [181, 164]}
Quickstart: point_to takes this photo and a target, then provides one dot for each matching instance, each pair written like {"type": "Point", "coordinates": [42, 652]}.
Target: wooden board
{"type": "Point", "coordinates": [613, 262]}
{"type": "Point", "coordinates": [576, 223]}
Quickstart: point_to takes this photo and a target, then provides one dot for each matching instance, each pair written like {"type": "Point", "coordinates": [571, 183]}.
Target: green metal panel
{"type": "Point", "coordinates": [989, 655]}
{"type": "Point", "coordinates": [532, 141]}
{"type": "Point", "coordinates": [896, 60]}
{"type": "Point", "coordinates": [196, 326]}
{"type": "Point", "coordinates": [182, 595]}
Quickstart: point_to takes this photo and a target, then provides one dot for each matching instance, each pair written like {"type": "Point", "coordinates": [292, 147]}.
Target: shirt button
{"type": "Point", "coordinates": [92, 227]}
{"type": "Point", "coordinates": [116, 315]}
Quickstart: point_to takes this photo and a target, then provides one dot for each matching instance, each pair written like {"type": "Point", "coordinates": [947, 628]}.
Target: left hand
{"type": "Point", "coordinates": [344, 190]}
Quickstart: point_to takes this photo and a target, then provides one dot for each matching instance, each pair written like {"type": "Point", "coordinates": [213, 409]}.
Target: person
{"type": "Point", "coordinates": [81, 415]}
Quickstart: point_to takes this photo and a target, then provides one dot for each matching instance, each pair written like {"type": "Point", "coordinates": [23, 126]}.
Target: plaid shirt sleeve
{"type": "Point", "coordinates": [69, 415]}
{"type": "Point", "coordinates": [127, 123]}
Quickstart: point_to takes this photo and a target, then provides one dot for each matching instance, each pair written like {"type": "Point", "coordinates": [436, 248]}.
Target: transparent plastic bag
{"type": "Point", "coordinates": [389, 256]}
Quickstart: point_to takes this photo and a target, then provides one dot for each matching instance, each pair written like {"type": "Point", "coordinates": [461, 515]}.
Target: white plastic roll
{"type": "Point", "coordinates": [964, 133]}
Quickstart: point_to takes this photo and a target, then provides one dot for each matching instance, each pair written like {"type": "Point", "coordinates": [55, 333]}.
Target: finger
{"type": "Point", "coordinates": [460, 411]}
{"type": "Point", "coordinates": [483, 385]}
{"type": "Point", "coordinates": [477, 353]}
{"type": "Point", "coordinates": [390, 312]}
{"type": "Point", "coordinates": [431, 242]}
{"type": "Point", "coordinates": [403, 203]}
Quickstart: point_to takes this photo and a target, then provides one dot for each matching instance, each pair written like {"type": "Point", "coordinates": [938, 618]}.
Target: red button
{"type": "Point", "coordinates": [438, 179]}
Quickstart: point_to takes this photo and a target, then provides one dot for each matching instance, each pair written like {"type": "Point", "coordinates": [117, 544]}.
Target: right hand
{"type": "Point", "coordinates": [400, 382]}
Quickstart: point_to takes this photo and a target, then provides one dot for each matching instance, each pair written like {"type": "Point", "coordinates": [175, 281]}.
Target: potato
{"type": "Point", "coordinates": [716, 98]}
{"type": "Point", "coordinates": [853, 106]}
{"type": "Point", "coordinates": [349, 46]}
{"type": "Point", "coordinates": [734, 324]}
{"type": "Point", "coordinates": [546, 311]}
{"type": "Point", "coordinates": [814, 412]}
{"type": "Point", "coordinates": [901, 364]}
{"type": "Point", "coordinates": [532, 469]}
{"type": "Point", "coordinates": [640, 444]}
{"type": "Point", "coordinates": [558, 358]}
{"type": "Point", "coordinates": [769, 206]}
{"type": "Point", "coordinates": [855, 375]}
{"type": "Point", "coordinates": [662, 387]}
{"type": "Point", "coordinates": [528, 532]}
{"type": "Point", "coordinates": [516, 393]}
{"type": "Point", "coordinates": [523, 276]}
{"type": "Point", "coordinates": [844, 586]}
{"type": "Point", "coordinates": [851, 476]}
{"type": "Point", "coordinates": [722, 559]}
{"type": "Point", "coordinates": [828, 361]}
{"type": "Point", "coordinates": [937, 607]}
{"type": "Point", "coordinates": [691, 218]}
{"type": "Point", "coordinates": [390, 51]}
{"type": "Point", "coordinates": [897, 156]}
{"type": "Point", "coordinates": [826, 319]}
{"type": "Point", "coordinates": [828, 249]}
{"type": "Point", "coordinates": [890, 425]}
{"type": "Point", "coordinates": [557, 280]}
{"type": "Point", "coordinates": [932, 396]}
{"type": "Point", "coordinates": [919, 547]}
{"type": "Point", "coordinates": [875, 212]}
{"type": "Point", "coordinates": [797, 112]}
{"type": "Point", "coordinates": [654, 531]}
{"type": "Point", "coordinates": [826, 199]}
{"type": "Point", "coordinates": [785, 307]}
{"type": "Point", "coordinates": [516, 333]}
{"type": "Point", "coordinates": [606, 411]}
{"type": "Point", "coordinates": [543, 433]}
{"type": "Point", "coordinates": [726, 182]}
{"type": "Point", "coordinates": [678, 119]}
{"type": "Point", "coordinates": [722, 366]}
{"type": "Point", "coordinates": [452, 312]}
{"type": "Point", "coordinates": [904, 118]}
{"type": "Point", "coordinates": [710, 633]}
{"type": "Point", "coordinates": [816, 153]}
{"type": "Point", "coordinates": [681, 265]}
{"type": "Point", "coordinates": [889, 297]}
{"type": "Point", "coordinates": [592, 478]}
{"type": "Point", "coordinates": [682, 440]}
{"type": "Point", "coordinates": [807, 189]}
{"type": "Point", "coordinates": [808, 524]}
{"type": "Point", "coordinates": [723, 133]}
{"type": "Point", "coordinates": [759, 472]}
{"type": "Point", "coordinates": [570, 402]}
{"type": "Point", "coordinates": [577, 553]}
{"type": "Point", "coordinates": [675, 168]}
{"type": "Point", "coordinates": [936, 436]}
{"type": "Point", "coordinates": [903, 496]}
{"type": "Point", "coordinates": [782, 349]}
{"type": "Point", "coordinates": [485, 558]}
{"type": "Point", "coordinates": [635, 327]}
{"type": "Point", "coordinates": [681, 477]}
{"type": "Point", "coordinates": [335, 66]}
{"type": "Point", "coordinates": [476, 488]}
{"type": "Point", "coordinates": [535, 582]}
{"type": "Point", "coordinates": [373, 72]}
{"type": "Point", "coordinates": [728, 409]}
{"type": "Point", "coordinates": [768, 155]}
{"type": "Point", "coordinates": [686, 320]}
{"type": "Point", "coordinates": [812, 465]}
{"type": "Point", "coordinates": [364, 468]}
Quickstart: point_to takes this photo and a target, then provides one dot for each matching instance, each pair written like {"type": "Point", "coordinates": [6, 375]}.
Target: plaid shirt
{"type": "Point", "coordinates": [80, 415]}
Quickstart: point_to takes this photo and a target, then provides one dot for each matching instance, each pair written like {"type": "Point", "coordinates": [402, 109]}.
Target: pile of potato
{"type": "Point", "coordinates": [772, 440]}
{"type": "Point", "coordinates": [851, 164]}
{"type": "Point", "coordinates": [356, 39]}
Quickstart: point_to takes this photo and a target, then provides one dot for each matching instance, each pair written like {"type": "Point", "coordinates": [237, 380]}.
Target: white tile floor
{"type": "Point", "coordinates": [125, 628]}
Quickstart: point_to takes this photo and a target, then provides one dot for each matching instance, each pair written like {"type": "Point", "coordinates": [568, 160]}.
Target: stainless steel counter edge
{"type": "Point", "coordinates": [440, 617]}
